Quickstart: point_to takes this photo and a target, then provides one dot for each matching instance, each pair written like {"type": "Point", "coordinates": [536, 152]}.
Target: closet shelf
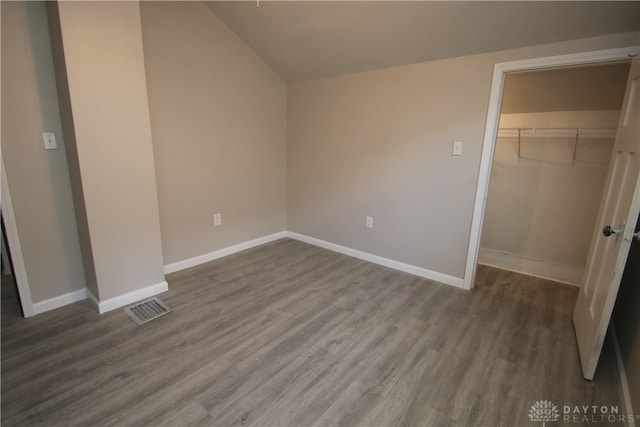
{"type": "Point", "coordinates": [573, 133]}
{"type": "Point", "coordinates": [548, 132]}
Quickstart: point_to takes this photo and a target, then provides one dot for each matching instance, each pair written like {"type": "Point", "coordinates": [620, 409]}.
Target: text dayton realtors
{"type": "Point", "coordinates": [595, 414]}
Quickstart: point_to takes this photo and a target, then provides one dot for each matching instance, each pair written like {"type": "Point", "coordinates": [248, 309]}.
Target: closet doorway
{"type": "Point", "coordinates": [555, 137]}
{"type": "Point", "coordinates": [500, 70]}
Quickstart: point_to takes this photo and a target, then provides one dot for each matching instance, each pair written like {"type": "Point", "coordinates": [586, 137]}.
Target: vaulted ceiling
{"type": "Point", "coordinates": [303, 40]}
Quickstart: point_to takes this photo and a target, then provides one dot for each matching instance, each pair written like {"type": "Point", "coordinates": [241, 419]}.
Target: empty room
{"type": "Point", "coordinates": [320, 213]}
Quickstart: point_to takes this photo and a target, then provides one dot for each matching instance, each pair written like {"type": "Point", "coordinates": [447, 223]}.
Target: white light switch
{"type": "Point", "coordinates": [369, 222]}
{"type": "Point", "coordinates": [49, 140]}
{"type": "Point", "coordinates": [457, 148]}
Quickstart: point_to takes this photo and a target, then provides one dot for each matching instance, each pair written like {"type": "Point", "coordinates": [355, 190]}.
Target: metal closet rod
{"type": "Point", "coordinates": [577, 131]}
{"type": "Point", "coordinates": [568, 129]}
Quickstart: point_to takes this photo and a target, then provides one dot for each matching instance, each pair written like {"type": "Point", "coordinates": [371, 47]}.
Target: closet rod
{"type": "Point", "coordinates": [568, 131]}
{"type": "Point", "coordinates": [558, 129]}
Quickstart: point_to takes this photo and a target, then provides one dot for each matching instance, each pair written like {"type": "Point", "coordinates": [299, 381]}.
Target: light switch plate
{"type": "Point", "coordinates": [457, 148]}
{"type": "Point", "coordinates": [369, 222]}
{"type": "Point", "coordinates": [49, 140]}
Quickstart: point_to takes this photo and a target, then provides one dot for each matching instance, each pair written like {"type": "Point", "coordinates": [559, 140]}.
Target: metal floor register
{"type": "Point", "coordinates": [147, 311]}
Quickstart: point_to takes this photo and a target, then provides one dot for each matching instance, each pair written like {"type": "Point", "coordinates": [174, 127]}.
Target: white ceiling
{"type": "Point", "coordinates": [303, 40]}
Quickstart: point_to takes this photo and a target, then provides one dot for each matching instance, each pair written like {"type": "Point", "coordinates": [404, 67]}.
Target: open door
{"type": "Point", "coordinates": [611, 241]}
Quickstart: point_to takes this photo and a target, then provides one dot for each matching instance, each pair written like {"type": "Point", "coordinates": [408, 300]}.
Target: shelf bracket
{"type": "Point", "coordinates": [575, 146]}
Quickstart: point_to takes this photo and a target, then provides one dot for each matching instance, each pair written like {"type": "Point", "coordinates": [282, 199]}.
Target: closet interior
{"type": "Point", "coordinates": [556, 133]}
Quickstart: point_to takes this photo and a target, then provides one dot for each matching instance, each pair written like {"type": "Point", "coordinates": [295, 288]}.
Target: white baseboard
{"type": "Point", "coordinates": [128, 298]}
{"type": "Point", "coordinates": [149, 291]}
{"type": "Point", "coordinates": [567, 274]}
{"type": "Point", "coordinates": [625, 394]}
{"type": "Point", "coordinates": [396, 265]}
{"type": "Point", "coordinates": [201, 259]}
{"type": "Point", "coordinates": [59, 301]}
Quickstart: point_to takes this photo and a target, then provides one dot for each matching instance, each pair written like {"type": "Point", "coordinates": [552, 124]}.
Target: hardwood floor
{"type": "Point", "coordinates": [288, 334]}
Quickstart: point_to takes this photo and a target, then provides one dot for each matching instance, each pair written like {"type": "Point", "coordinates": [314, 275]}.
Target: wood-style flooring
{"type": "Point", "coordinates": [288, 334]}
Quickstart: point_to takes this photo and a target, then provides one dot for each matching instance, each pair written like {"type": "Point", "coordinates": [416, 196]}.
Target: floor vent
{"type": "Point", "coordinates": [148, 310]}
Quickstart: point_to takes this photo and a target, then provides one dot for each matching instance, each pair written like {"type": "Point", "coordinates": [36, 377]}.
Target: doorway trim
{"type": "Point", "coordinates": [19, 268]}
{"type": "Point", "coordinates": [491, 131]}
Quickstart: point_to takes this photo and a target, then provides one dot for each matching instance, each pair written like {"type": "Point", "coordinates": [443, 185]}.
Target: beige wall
{"type": "Point", "coordinates": [379, 143]}
{"type": "Point", "coordinates": [38, 179]}
{"type": "Point", "coordinates": [102, 47]}
{"type": "Point", "coordinates": [564, 89]}
{"type": "Point", "coordinates": [542, 207]}
{"type": "Point", "coordinates": [626, 318]}
{"type": "Point", "coordinates": [218, 116]}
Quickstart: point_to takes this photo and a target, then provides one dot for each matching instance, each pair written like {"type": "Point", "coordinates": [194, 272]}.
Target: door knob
{"type": "Point", "coordinates": [608, 231]}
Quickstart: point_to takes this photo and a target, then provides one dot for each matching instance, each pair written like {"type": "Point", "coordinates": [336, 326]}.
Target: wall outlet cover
{"type": "Point", "coordinates": [49, 140]}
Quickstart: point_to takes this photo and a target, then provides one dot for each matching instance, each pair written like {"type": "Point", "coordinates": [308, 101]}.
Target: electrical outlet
{"type": "Point", "coordinates": [49, 140]}
{"type": "Point", "coordinates": [217, 219]}
{"type": "Point", "coordinates": [369, 222]}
